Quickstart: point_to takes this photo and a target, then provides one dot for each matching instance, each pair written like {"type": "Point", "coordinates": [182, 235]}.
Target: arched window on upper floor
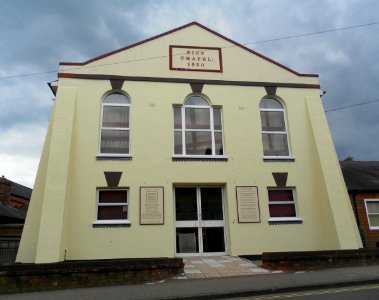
{"type": "Point", "coordinates": [274, 128]}
{"type": "Point", "coordinates": [198, 128]}
{"type": "Point", "coordinates": [115, 124]}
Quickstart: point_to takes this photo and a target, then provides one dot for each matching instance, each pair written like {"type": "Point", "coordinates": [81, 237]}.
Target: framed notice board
{"type": "Point", "coordinates": [151, 205]}
{"type": "Point", "coordinates": [247, 204]}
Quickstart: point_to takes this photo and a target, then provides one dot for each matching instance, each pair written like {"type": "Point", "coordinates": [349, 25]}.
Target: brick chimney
{"type": "Point", "coordinates": [5, 190]}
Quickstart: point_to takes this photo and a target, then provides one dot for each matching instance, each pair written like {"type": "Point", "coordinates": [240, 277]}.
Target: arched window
{"type": "Point", "coordinates": [274, 129]}
{"type": "Point", "coordinates": [115, 124]}
{"type": "Point", "coordinates": [197, 128]}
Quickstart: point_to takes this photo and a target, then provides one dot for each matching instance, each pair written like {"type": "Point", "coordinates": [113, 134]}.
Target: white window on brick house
{"type": "Point", "coordinates": [198, 129]}
{"type": "Point", "coordinates": [372, 210]}
{"type": "Point", "coordinates": [115, 125]}
{"type": "Point", "coordinates": [274, 128]}
{"type": "Point", "coordinates": [112, 206]}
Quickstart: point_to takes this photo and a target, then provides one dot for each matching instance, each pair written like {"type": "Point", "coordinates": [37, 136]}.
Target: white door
{"type": "Point", "coordinates": [199, 221]}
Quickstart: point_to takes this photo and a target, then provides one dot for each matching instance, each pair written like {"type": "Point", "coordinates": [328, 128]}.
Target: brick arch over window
{"type": "Point", "coordinates": [198, 128]}
{"type": "Point", "coordinates": [115, 124]}
{"type": "Point", "coordinates": [274, 128]}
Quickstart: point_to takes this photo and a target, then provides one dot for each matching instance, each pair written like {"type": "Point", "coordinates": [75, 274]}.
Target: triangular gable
{"type": "Point", "coordinates": [270, 66]}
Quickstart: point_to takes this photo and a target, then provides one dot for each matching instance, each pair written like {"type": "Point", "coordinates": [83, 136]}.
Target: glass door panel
{"type": "Point", "coordinates": [213, 239]}
{"type": "Point", "coordinates": [186, 204]}
{"type": "Point", "coordinates": [187, 240]}
{"type": "Point", "coordinates": [211, 204]}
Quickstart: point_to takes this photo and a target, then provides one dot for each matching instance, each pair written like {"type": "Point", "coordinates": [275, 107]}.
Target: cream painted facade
{"type": "Point", "coordinates": [62, 222]}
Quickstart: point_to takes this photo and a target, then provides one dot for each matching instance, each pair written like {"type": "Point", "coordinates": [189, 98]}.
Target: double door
{"type": "Point", "coordinates": [199, 221]}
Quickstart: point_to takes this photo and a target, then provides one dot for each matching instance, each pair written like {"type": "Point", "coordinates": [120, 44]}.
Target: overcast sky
{"type": "Point", "coordinates": [36, 35]}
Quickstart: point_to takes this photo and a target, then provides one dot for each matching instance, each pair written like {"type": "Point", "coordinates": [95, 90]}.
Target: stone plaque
{"type": "Point", "coordinates": [248, 204]}
{"type": "Point", "coordinates": [191, 58]}
{"type": "Point", "coordinates": [151, 206]}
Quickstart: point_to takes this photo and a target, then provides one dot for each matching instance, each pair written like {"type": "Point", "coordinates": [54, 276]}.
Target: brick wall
{"type": "Point", "coordinates": [18, 278]}
{"type": "Point", "coordinates": [5, 190]}
{"type": "Point", "coordinates": [371, 236]}
{"type": "Point", "coordinates": [313, 260]}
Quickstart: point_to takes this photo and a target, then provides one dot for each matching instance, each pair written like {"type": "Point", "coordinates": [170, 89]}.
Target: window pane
{"type": "Point", "coordinates": [374, 220]}
{"type": "Point", "coordinates": [177, 118]}
{"type": "Point", "coordinates": [187, 240]}
{"type": "Point", "coordinates": [178, 148]}
{"type": "Point", "coordinates": [112, 212]}
{"type": "Point", "coordinates": [282, 210]}
{"type": "Point", "coordinates": [116, 98]}
{"type": "Point", "coordinates": [270, 103]}
{"type": "Point", "coordinates": [211, 204]}
{"type": "Point", "coordinates": [283, 195]}
{"type": "Point", "coordinates": [113, 196]}
{"type": "Point", "coordinates": [196, 100]}
{"type": "Point", "coordinates": [198, 143]}
{"type": "Point", "coordinates": [197, 118]}
{"type": "Point", "coordinates": [372, 207]}
{"type": "Point", "coordinates": [275, 144]}
{"type": "Point", "coordinates": [273, 121]}
{"type": "Point", "coordinates": [213, 239]}
{"type": "Point", "coordinates": [116, 116]}
{"type": "Point", "coordinates": [185, 204]}
{"type": "Point", "coordinates": [218, 143]}
{"type": "Point", "coordinates": [217, 119]}
{"type": "Point", "coordinates": [114, 141]}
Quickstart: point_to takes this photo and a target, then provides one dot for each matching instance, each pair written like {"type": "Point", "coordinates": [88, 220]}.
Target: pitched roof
{"type": "Point", "coordinates": [361, 176]}
{"type": "Point", "coordinates": [21, 190]}
{"type": "Point", "coordinates": [13, 213]}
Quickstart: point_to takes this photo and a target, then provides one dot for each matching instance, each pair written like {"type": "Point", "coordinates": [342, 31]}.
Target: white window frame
{"type": "Point", "coordinates": [368, 213]}
{"type": "Point", "coordinates": [98, 204]}
{"type": "Point", "coordinates": [120, 155]}
{"type": "Point", "coordinates": [283, 110]}
{"type": "Point", "coordinates": [183, 129]}
{"type": "Point", "coordinates": [294, 202]}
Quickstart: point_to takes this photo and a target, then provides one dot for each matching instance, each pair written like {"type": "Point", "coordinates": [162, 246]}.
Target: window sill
{"type": "Point", "coordinates": [279, 158]}
{"type": "Point", "coordinates": [113, 157]}
{"type": "Point", "coordinates": [199, 158]}
{"type": "Point", "coordinates": [280, 221]}
{"type": "Point", "coordinates": [111, 223]}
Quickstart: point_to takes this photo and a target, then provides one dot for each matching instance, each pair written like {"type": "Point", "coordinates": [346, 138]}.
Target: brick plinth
{"type": "Point", "coordinates": [319, 259]}
{"type": "Point", "coordinates": [18, 278]}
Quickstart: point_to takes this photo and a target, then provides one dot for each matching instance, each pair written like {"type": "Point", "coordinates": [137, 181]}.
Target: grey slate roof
{"type": "Point", "coordinates": [21, 190]}
{"type": "Point", "coordinates": [6, 211]}
{"type": "Point", "coordinates": [361, 176]}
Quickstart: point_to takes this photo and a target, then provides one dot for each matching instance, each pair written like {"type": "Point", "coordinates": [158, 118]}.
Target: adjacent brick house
{"type": "Point", "coordinates": [362, 182]}
{"type": "Point", "coordinates": [14, 203]}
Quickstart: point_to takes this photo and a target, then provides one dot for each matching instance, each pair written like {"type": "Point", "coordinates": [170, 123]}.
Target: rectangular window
{"type": "Point", "coordinates": [282, 204]}
{"type": "Point", "coordinates": [112, 206]}
{"type": "Point", "coordinates": [372, 209]}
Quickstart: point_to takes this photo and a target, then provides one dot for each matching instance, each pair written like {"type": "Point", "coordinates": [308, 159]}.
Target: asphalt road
{"type": "Point", "coordinates": [366, 292]}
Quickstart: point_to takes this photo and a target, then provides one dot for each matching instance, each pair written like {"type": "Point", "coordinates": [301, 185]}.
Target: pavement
{"type": "Point", "coordinates": [220, 287]}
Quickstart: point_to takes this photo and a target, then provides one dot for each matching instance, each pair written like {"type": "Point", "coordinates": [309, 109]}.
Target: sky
{"type": "Point", "coordinates": [36, 35]}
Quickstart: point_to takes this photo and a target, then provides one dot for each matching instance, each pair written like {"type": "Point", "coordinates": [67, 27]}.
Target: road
{"type": "Point", "coordinates": [366, 292]}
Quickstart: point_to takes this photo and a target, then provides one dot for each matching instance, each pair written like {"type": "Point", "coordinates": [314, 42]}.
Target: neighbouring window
{"type": "Point", "coordinates": [112, 205]}
{"type": "Point", "coordinates": [198, 128]}
{"type": "Point", "coordinates": [281, 203]}
{"type": "Point", "coordinates": [274, 129]}
{"type": "Point", "coordinates": [372, 209]}
{"type": "Point", "coordinates": [115, 124]}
